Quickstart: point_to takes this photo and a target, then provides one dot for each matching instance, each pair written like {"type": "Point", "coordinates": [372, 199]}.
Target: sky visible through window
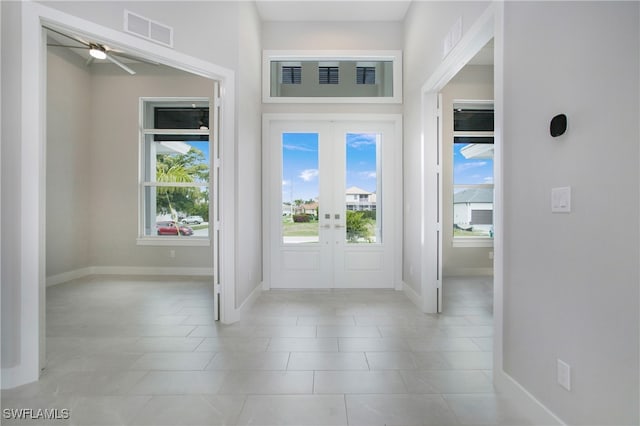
{"type": "Point", "coordinates": [361, 161]}
{"type": "Point", "coordinates": [202, 146]}
{"type": "Point", "coordinates": [300, 164]}
{"type": "Point", "coordinates": [471, 171]}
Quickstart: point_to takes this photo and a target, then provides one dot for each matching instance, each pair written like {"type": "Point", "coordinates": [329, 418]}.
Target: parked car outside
{"type": "Point", "coordinates": [169, 227]}
{"type": "Point", "coordinates": [193, 220]}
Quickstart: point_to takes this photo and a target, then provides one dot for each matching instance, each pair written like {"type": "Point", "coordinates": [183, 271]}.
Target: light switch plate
{"type": "Point", "coordinates": [561, 200]}
{"type": "Point", "coordinates": [564, 374]}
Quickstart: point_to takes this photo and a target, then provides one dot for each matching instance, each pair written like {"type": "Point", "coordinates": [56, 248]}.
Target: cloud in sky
{"type": "Point", "coordinates": [308, 174]}
{"type": "Point", "coordinates": [362, 139]}
{"type": "Point", "coordinates": [297, 148]}
{"type": "Point", "coordinates": [368, 174]}
{"type": "Point", "coordinates": [470, 165]}
{"type": "Point", "coordinates": [286, 182]}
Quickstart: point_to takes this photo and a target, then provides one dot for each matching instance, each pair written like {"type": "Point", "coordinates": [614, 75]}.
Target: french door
{"type": "Point", "coordinates": [331, 198]}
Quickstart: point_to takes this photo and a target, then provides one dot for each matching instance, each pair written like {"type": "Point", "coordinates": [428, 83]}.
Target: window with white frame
{"type": "Point", "coordinates": [332, 76]}
{"type": "Point", "coordinates": [472, 171]}
{"type": "Point", "coordinates": [175, 170]}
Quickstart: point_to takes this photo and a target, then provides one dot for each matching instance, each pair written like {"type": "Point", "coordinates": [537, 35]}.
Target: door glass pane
{"type": "Point", "coordinates": [363, 189]}
{"type": "Point", "coordinates": [300, 188]}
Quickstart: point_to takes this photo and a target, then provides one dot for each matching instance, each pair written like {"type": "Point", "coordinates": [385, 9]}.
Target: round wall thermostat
{"type": "Point", "coordinates": [558, 125]}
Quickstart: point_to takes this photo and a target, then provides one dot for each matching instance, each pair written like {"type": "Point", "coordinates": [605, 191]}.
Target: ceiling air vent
{"type": "Point", "coordinates": [148, 29]}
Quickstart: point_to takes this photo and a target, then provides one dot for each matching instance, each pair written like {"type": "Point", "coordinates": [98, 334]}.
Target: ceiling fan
{"type": "Point", "coordinates": [96, 50]}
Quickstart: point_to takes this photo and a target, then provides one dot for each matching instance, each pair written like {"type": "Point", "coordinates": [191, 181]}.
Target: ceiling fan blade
{"type": "Point", "coordinates": [120, 64]}
{"type": "Point", "coordinates": [133, 58]}
{"type": "Point", "coordinates": [77, 40]}
{"type": "Point", "coordinates": [67, 46]}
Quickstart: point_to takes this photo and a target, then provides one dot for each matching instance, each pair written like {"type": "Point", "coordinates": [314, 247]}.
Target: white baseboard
{"type": "Point", "coordinates": [151, 270]}
{"type": "Point", "coordinates": [467, 272]}
{"type": "Point", "coordinates": [69, 276]}
{"type": "Point", "coordinates": [16, 376]}
{"type": "Point", "coordinates": [524, 400]}
{"type": "Point", "coordinates": [128, 270]}
{"type": "Point", "coordinates": [241, 311]}
{"type": "Point", "coordinates": [412, 295]}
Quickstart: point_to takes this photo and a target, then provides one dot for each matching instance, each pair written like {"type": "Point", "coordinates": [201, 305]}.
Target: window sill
{"type": "Point", "coordinates": [472, 242]}
{"type": "Point", "coordinates": [173, 241]}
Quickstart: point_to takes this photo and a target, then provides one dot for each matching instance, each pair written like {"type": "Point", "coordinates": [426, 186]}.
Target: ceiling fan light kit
{"type": "Point", "coordinates": [97, 51]}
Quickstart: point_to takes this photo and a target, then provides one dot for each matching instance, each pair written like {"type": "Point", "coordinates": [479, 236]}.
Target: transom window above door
{"type": "Point", "coordinates": [336, 77]}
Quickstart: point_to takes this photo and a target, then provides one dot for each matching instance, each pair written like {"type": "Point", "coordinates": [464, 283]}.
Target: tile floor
{"type": "Point", "coordinates": [125, 351]}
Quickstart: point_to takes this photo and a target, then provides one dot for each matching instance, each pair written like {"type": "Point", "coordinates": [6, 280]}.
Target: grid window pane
{"type": "Point", "coordinates": [166, 210]}
{"type": "Point", "coordinates": [365, 75]}
{"type": "Point", "coordinates": [328, 75]}
{"type": "Point", "coordinates": [181, 118]}
{"type": "Point", "coordinates": [291, 75]}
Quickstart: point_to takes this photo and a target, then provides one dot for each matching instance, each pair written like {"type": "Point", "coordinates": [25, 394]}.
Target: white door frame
{"type": "Point", "coordinates": [489, 25]}
{"type": "Point", "coordinates": [33, 162]}
{"type": "Point", "coordinates": [267, 171]}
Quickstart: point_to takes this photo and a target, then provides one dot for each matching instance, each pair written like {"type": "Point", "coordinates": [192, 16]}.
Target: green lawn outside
{"type": "Point", "coordinates": [299, 229]}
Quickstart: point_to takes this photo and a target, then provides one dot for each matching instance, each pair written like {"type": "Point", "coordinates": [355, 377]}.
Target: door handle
{"type": "Point", "coordinates": [339, 226]}
{"type": "Point", "coordinates": [326, 226]}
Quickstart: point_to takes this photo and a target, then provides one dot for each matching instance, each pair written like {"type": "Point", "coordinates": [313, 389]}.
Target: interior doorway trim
{"type": "Point", "coordinates": [489, 25]}
{"type": "Point", "coordinates": [33, 162]}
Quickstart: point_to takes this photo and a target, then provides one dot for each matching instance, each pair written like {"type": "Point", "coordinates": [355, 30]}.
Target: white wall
{"type": "Point", "coordinates": [472, 82]}
{"type": "Point", "coordinates": [332, 35]}
{"type": "Point", "coordinates": [426, 25]}
{"type": "Point", "coordinates": [203, 29]}
{"type": "Point", "coordinates": [69, 144]}
{"type": "Point", "coordinates": [571, 280]}
{"type": "Point", "coordinates": [249, 170]}
{"type": "Point", "coordinates": [11, 196]}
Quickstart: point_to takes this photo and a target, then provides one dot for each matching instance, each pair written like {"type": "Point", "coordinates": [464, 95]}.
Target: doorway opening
{"type": "Point", "coordinates": [33, 328]}
{"type": "Point", "coordinates": [467, 180]}
{"type": "Point", "coordinates": [488, 27]}
{"type": "Point", "coordinates": [166, 136]}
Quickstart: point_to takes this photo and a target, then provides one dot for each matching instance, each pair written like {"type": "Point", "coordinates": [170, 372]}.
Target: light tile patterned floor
{"type": "Point", "coordinates": [126, 351]}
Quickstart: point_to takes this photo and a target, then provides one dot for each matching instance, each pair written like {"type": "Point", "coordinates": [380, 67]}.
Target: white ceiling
{"type": "Point", "coordinates": [333, 10]}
